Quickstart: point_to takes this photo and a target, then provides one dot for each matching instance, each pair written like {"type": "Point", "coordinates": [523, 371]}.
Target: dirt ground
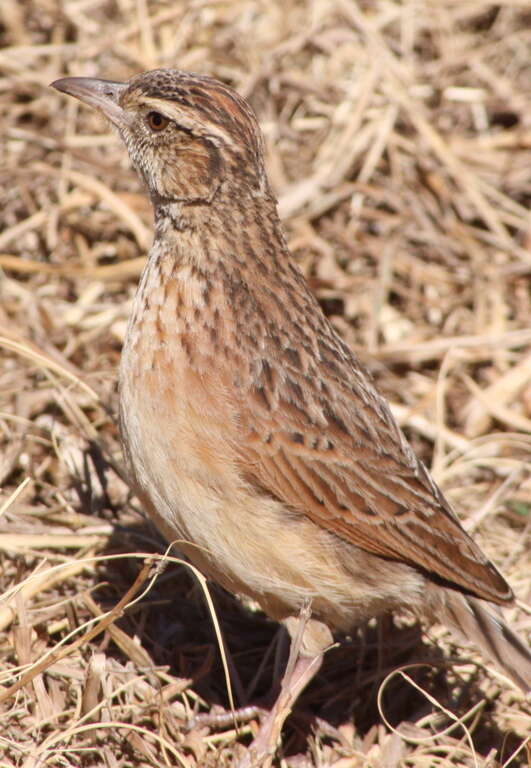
{"type": "Point", "coordinates": [398, 139]}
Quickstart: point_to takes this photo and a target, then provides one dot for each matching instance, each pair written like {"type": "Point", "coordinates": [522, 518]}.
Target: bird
{"type": "Point", "coordinates": [254, 435]}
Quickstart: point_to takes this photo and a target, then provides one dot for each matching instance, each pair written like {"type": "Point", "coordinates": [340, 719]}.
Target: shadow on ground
{"type": "Point", "coordinates": [175, 627]}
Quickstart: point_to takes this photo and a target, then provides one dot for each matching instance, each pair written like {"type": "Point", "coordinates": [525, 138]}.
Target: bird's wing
{"type": "Point", "coordinates": [319, 437]}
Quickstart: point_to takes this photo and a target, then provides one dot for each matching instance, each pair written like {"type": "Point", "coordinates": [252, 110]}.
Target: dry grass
{"type": "Point", "coordinates": [398, 138]}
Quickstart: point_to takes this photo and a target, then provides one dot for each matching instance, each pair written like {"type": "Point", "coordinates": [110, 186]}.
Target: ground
{"type": "Point", "coordinates": [398, 142]}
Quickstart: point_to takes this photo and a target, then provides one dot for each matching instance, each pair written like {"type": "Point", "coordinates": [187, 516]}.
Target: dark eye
{"type": "Point", "coordinates": [156, 121]}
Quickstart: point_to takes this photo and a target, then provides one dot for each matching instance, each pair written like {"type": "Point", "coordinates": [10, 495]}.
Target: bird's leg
{"type": "Point", "coordinates": [309, 641]}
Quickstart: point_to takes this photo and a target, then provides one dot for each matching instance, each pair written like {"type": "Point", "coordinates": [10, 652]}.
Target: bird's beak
{"type": "Point", "coordinates": [101, 94]}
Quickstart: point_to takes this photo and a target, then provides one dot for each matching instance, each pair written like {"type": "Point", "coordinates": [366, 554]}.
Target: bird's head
{"type": "Point", "coordinates": [188, 135]}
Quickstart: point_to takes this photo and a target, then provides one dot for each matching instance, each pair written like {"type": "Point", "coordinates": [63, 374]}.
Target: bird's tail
{"type": "Point", "coordinates": [481, 623]}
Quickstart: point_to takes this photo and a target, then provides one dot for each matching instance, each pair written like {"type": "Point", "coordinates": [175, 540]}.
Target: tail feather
{"type": "Point", "coordinates": [481, 623]}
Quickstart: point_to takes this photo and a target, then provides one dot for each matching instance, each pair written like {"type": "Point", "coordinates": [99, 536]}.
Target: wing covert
{"type": "Point", "coordinates": [328, 446]}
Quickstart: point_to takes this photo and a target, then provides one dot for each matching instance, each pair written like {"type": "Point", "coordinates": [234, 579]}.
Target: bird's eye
{"type": "Point", "coordinates": [156, 121]}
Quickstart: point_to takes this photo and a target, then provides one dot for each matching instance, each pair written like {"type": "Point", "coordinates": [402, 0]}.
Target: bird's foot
{"type": "Point", "coordinates": [300, 669]}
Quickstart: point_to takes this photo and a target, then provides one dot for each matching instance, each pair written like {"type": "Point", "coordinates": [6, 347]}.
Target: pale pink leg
{"type": "Point", "coordinates": [310, 640]}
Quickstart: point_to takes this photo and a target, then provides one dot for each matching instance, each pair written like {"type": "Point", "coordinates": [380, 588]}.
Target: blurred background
{"type": "Point", "coordinates": [398, 141]}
